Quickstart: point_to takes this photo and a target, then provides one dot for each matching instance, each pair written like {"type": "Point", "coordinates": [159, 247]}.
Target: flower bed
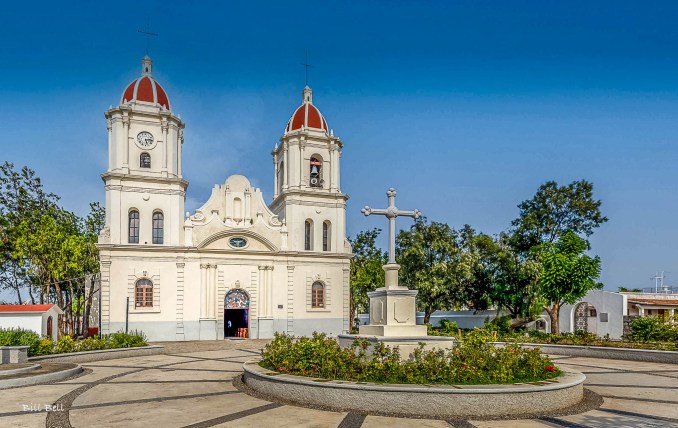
{"type": "Point", "coordinates": [475, 361]}
{"type": "Point", "coordinates": [65, 344]}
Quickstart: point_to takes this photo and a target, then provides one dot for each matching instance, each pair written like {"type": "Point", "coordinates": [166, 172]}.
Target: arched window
{"type": "Point", "coordinates": [308, 235]}
{"type": "Point", "coordinates": [145, 160]}
{"type": "Point", "coordinates": [315, 170]}
{"type": "Point", "coordinates": [326, 236]}
{"type": "Point", "coordinates": [143, 293]}
{"type": "Point", "coordinates": [318, 295]}
{"type": "Point", "coordinates": [158, 227]}
{"type": "Point", "coordinates": [49, 327]}
{"type": "Point", "coordinates": [133, 236]}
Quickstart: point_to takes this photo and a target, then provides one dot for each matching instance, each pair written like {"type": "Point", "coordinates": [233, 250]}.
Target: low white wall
{"type": "Point", "coordinates": [605, 302]}
{"type": "Point", "coordinates": [27, 321]}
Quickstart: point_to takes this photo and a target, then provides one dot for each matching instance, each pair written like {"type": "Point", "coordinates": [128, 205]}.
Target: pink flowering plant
{"type": "Point", "coordinates": [474, 361]}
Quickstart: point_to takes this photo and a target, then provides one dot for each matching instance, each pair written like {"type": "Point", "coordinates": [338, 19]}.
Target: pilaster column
{"type": "Point", "coordinates": [333, 167]}
{"type": "Point", "coordinates": [165, 148]}
{"type": "Point", "coordinates": [180, 142]}
{"type": "Point", "coordinates": [203, 291]}
{"type": "Point", "coordinates": [275, 176]}
{"type": "Point", "coordinates": [263, 293]}
{"type": "Point", "coordinates": [125, 145]}
{"type": "Point", "coordinates": [247, 202]}
{"type": "Point", "coordinates": [301, 162]}
{"type": "Point", "coordinates": [285, 183]}
{"type": "Point", "coordinates": [337, 170]}
{"type": "Point", "coordinates": [109, 126]}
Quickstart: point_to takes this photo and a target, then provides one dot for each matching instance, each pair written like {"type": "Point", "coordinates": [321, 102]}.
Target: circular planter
{"type": "Point", "coordinates": [442, 401]}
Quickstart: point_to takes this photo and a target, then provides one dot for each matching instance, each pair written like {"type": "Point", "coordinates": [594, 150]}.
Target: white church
{"type": "Point", "coordinates": [237, 266]}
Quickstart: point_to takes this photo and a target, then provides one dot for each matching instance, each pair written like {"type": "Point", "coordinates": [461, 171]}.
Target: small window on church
{"type": "Point", "coordinates": [318, 295]}
{"type": "Point", "coordinates": [308, 235]}
{"type": "Point", "coordinates": [158, 227]}
{"type": "Point", "coordinates": [145, 160]}
{"type": "Point", "coordinates": [143, 293]}
{"type": "Point", "coordinates": [133, 237]}
{"type": "Point", "coordinates": [326, 236]}
{"type": "Point", "coordinates": [316, 172]}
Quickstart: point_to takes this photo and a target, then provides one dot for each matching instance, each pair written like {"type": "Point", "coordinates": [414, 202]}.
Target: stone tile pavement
{"type": "Point", "coordinates": [192, 386]}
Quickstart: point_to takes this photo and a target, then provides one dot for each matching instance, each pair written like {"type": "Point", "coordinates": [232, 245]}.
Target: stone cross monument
{"type": "Point", "coordinates": [392, 308]}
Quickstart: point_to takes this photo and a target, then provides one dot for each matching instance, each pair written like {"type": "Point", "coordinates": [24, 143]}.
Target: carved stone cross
{"type": "Point", "coordinates": [391, 213]}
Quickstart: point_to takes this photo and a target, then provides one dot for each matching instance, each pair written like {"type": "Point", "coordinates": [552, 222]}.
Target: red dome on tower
{"type": "Point", "coordinates": [307, 115]}
{"type": "Point", "coordinates": [145, 88]}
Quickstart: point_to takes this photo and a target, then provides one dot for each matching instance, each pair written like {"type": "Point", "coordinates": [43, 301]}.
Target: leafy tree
{"type": "Point", "coordinates": [432, 262]}
{"type": "Point", "coordinates": [516, 282]}
{"type": "Point", "coordinates": [480, 251]}
{"type": "Point", "coordinates": [367, 273]}
{"type": "Point", "coordinates": [555, 210]}
{"type": "Point", "coordinates": [22, 199]}
{"type": "Point", "coordinates": [568, 274]}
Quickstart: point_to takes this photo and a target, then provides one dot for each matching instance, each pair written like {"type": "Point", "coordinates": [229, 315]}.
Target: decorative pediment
{"type": "Point", "coordinates": [232, 239]}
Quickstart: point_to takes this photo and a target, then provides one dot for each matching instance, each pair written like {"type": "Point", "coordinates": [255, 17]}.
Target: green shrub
{"type": "Point", "coordinates": [20, 337]}
{"type": "Point", "coordinates": [45, 347]}
{"type": "Point", "coordinates": [449, 328]}
{"type": "Point", "coordinates": [653, 329]}
{"type": "Point", "coordinates": [64, 345]}
{"type": "Point", "coordinates": [90, 344]}
{"type": "Point", "coordinates": [121, 339]}
{"type": "Point", "coordinates": [473, 361]}
{"type": "Point", "coordinates": [501, 324]}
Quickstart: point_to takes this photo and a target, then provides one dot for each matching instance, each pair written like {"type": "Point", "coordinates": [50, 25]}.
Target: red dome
{"type": "Point", "coordinates": [307, 115]}
{"type": "Point", "coordinates": [145, 88]}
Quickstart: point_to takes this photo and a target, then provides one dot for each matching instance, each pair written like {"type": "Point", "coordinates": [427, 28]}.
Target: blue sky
{"type": "Point", "coordinates": [465, 107]}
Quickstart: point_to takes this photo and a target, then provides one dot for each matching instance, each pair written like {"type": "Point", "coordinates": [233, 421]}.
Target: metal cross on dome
{"type": "Point", "coordinates": [391, 213]}
{"type": "Point", "coordinates": [148, 34]}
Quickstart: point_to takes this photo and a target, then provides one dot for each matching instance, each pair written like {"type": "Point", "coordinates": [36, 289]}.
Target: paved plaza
{"type": "Point", "coordinates": [192, 386]}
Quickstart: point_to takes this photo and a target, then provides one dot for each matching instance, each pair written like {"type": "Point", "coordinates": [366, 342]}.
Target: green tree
{"type": "Point", "coordinates": [366, 270]}
{"type": "Point", "coordinates": [516, 282]}
{"type": "Point", "coordinates": [480, 252]}
{"type": "Point", "coordinates": [432, 262]}
{"type": "Point", "coordinates": [555, 210]}
{"type": "Point", "coordinates": [569, 273]}
{"type": "Point", "coordinates": [22, 199]}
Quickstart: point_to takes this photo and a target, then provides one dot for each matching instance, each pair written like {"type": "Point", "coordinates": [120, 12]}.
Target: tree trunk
{"type": "Point", "coordinates": [88, 307]}
{"type": "Point", "coordinates": [554, 315]}
{"type": "Point", "coordinates": [30, 294]}
{"type": "Point", "coordinates": [427, 315]}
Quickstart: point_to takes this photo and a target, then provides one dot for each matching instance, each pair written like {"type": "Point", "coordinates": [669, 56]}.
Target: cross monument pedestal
{"type": "Point", "coordinates": [393, 313]}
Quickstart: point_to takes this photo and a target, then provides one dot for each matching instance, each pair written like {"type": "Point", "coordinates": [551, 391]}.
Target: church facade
{"type": "Point", "coordinates": [237, 266]}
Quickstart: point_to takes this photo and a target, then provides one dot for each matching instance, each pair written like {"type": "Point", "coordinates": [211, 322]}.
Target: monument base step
{"type": "Point", "coordinates": [393, 330]}
{"type": "Point", "coordinates": [406, 344]}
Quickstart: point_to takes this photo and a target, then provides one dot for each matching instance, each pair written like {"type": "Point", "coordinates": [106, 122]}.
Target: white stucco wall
{"type": "Point", "coordinates": [606, 302]}
{"type": "Point", "coordinates": [28, 321]}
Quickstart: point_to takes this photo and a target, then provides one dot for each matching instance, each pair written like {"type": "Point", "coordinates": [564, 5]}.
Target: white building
{"type": "Point", "coordinates": [42, 319]}
{"type": "Point", "coordinates": [236, 266]}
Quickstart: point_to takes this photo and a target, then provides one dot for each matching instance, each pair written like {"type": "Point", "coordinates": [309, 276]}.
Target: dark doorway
{"type": "Point", "coordinates": [235, 323]}
{"type": "Point", "coordinates": [236, 309]}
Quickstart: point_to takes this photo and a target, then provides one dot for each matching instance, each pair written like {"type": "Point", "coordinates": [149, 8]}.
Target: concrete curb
{"type": "Point", "coordinates": [645, 355]}
{"type": "Point", "coordinates": [100, 355]}
{"type": "Point", "coordinates": [12, 372]}
{"type": "Point", "coordinates": [40, 378]}
{"type": "Point", "coordinates": [442, 401]}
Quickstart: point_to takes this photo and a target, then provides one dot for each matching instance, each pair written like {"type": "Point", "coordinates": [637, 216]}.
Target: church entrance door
{"type": "Point", "coordinates": [236, 313]}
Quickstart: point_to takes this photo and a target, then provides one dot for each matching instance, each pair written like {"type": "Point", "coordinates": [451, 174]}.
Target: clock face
{"type": "Point", "coordinates": [145, 140]}
{"type": "Point", "coordinates": [237, 242]}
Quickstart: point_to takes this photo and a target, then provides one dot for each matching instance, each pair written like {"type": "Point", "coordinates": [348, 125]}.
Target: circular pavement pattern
{"type": "Point", "coordinates": [192, 386]}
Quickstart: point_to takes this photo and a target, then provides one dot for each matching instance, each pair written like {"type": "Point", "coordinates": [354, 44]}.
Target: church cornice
{"type": "Point", "coordinates": [160, 253]}
{"type": "Point", "coordinates": [144, 178]}
{"type": "Point", "coordinates": [291, 196]}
